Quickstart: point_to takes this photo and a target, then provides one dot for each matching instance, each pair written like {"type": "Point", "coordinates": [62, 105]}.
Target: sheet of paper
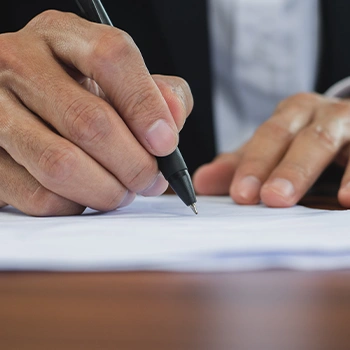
{"type": "Point", "coordinates": [163, 234]}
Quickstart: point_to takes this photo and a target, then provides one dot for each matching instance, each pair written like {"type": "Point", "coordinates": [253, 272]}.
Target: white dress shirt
{"type": "Point", "coordinates": [262, 52]}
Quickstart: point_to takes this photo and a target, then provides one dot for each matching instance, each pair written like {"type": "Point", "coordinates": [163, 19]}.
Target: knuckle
{"type": "Point", "coordinates": [292, 116]}
{"type": "Point", "coordinates": [287, 111]}
{"type": "Point", "coordinates": [10, 59]}
{"type": "Point", "coordinates": [141, 103]}
{"type": "Point", "coordinates": [141, 174]}
{"type": "Point", "coordinates": [48, 19]}
{"type": "Point", "coordinates": [57, 162]}
{"type": "Point", "coordinates": [87, 123]}
{"type": "Point", "coordinates": [110, 46]}
{"type": "Point", "coordinates": [124, 43]}
{"type": "Point", "coordinates": [328, 135]}
{"type": "Point", "coordinates": [43, 202]}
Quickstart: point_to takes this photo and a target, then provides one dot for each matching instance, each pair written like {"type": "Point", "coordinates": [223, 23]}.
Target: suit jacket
{"type": "Point", "coordinates": [173, 38]}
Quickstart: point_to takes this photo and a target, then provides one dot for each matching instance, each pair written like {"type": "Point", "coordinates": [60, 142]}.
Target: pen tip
{"type": "Point", "coordinates": [194, 208]}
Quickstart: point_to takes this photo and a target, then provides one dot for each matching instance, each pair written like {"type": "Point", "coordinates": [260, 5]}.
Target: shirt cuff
{"type": "Point", "coordinates": [340, 89]}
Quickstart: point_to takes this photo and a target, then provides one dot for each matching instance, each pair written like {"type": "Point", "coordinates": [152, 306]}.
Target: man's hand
{"type": "Point", "coordinates": [285, 156]}
{"type": "Point", "coordinates": [81, 118]}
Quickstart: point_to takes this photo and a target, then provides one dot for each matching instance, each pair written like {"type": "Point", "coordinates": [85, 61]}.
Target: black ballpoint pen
{"type": "Point", "coordinates": [173, 167]}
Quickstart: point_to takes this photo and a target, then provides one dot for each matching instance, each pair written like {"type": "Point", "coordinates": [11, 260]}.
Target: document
{"type": "Point", "coordinates": [162, 234]}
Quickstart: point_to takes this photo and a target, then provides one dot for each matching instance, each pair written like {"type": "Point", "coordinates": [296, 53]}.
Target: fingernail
{"type": "Point", "coordinates": [249, 187]}
{"type": "Point", "coordinates": [128, 199]}
{"type": "Point", "coordinates": [157, 188]}
{"type": "Point", "coordinates": [162, 138]}
{"type": "Point", "coordinates": [282, 187]}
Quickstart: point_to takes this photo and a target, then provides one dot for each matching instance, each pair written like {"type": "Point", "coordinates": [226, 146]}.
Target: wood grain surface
{"type": "Point", "coordinates": [262, 310]}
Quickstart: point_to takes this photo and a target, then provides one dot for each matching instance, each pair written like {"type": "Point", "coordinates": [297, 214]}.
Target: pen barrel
{"type": "Point", "coordinates": [174, 169]}
{"type": "Point", "coordinates": [171, 164]}
{"type": "Point", "coordinates": [181, 183]}
{"type": "Point", "coordinates": [94, 11]}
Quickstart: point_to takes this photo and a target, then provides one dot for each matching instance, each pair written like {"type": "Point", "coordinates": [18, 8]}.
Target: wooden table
{"type": "Point", "coordinates": [249, 311]}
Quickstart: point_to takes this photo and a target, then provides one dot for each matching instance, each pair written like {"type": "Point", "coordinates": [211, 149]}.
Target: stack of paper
{"type": "Point", "coordinates": [162, 234]}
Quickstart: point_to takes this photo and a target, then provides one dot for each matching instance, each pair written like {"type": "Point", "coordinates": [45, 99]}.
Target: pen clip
{"type": "Point", "coordinates": [93, 10]}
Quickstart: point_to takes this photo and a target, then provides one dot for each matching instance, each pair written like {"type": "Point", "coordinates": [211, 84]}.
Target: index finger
{"type": "Point", "coordinates": [310, 153]}
{"type": "Point", "coordinates": [110, 57]}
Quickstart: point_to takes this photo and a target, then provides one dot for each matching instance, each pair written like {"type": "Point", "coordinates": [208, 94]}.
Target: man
{"type": "Point", "coordinates": [65, 147]}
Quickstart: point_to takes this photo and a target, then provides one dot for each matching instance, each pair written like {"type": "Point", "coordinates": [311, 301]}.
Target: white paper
{"type": "Point", "coordinates": [163, 234]}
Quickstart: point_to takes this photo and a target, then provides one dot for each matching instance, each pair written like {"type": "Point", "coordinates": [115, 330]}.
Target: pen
{"type": "Point", "coordinates": [173, 166]}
